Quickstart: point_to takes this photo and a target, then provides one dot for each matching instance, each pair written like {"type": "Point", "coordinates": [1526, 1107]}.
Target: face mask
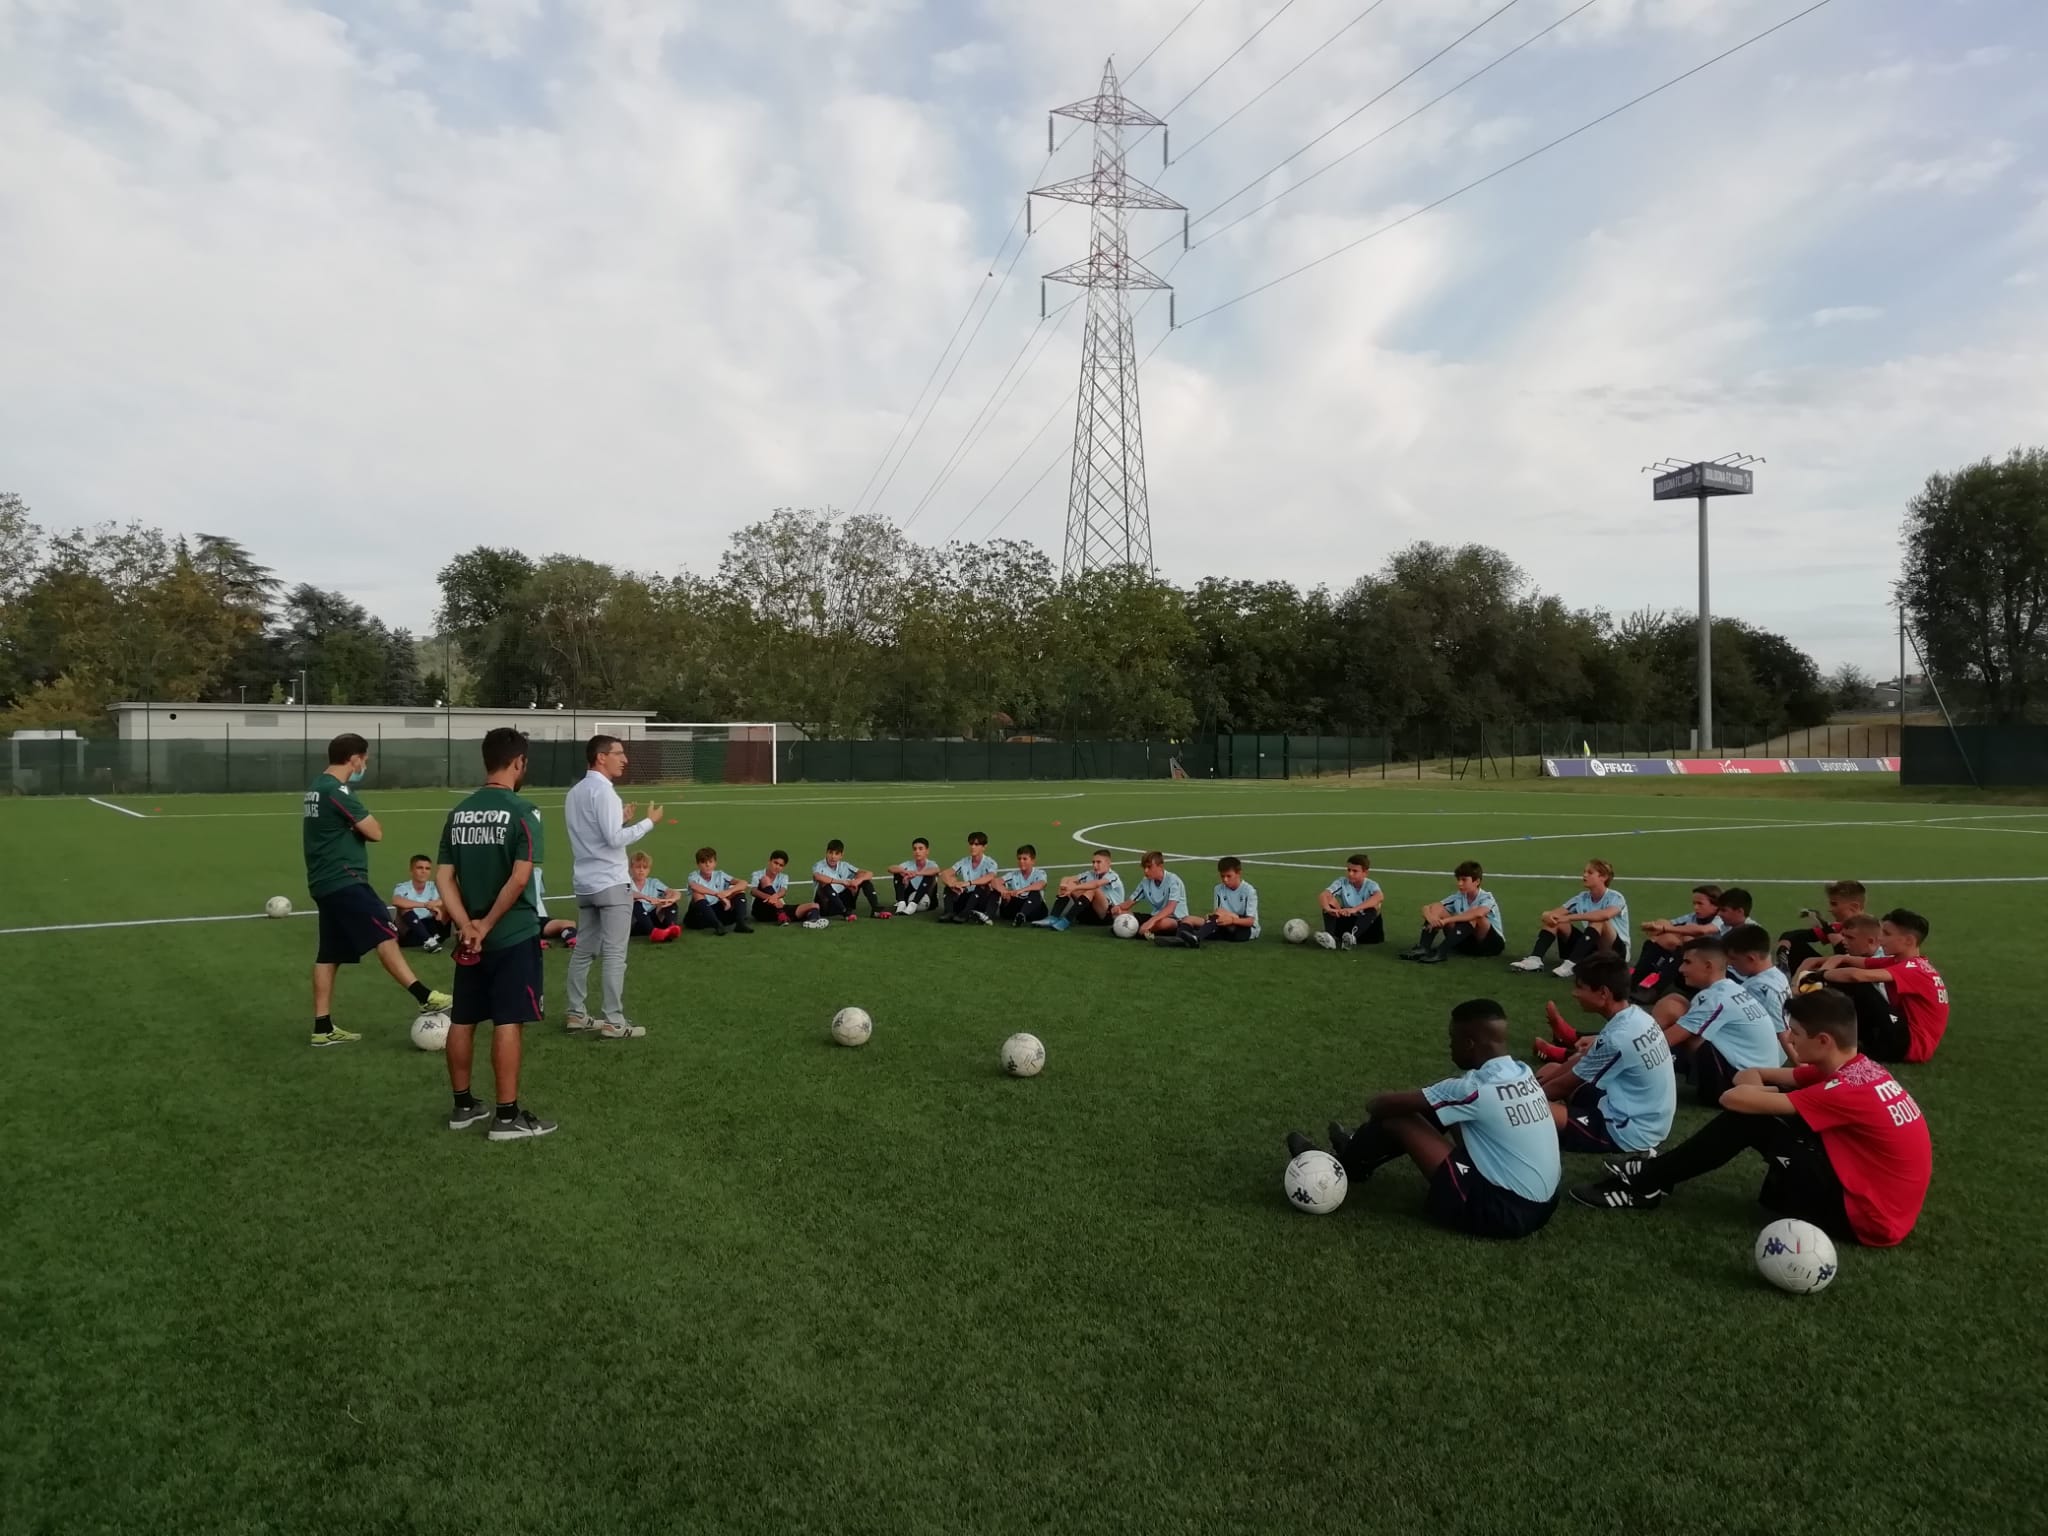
{"type": "Point", "coordinates": [356, 777]}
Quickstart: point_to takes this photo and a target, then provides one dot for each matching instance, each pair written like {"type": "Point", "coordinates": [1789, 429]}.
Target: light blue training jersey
{"type": "Point", "coordinates": [1458, 904]}
{"type": "Point", "coordinates": [1586, 901]}
{"type": "Point", "coordinates": [1349, 895]}
{"type": "Point", "coordinates": [718, 880]}
{"type": "Point", "coordinates": [1016, 881]}
{"type": "Point", "coordinates": [1769, 986]}
{"type": "Point", "coordinates": [1168, 887]}
{"type": "Point", "coordinates": [1112, 886]}
{"type": "Point", "coordinates": [1508, 1134]}
{"type": "Point", "coordinates": [970, 868]}
{"type": "Point", "coordinates": [915, 869]}
{"type": "Point", "coordinates": [1735, 1023]}
{"type": "Point", "coordinates": [405, 888]}
{"type": "Point", "coordinates": [1630, 1064]}
{"type": "Point", "coordinates": [776, 886]}
{"type": "Point", "coordinates": [1242, 902]}
{"type": "Point", "coordinates": [648, 889]}
{"type": "Point", "coordinates": [825, 869]}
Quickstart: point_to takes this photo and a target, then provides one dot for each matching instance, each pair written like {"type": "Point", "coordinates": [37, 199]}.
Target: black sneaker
{"type": "Point", "coordinates": [1430, 957]}
{"type": "Point", "coordinates": [1298, 1144]}
{"type": "Point", "coordinates": [1625, 1168]}
{"type": "Point", "coordinates": [1340, 1139]}
{"type": "Point", "coordinates": [1017, 921]}
{"type": "Point", "coordinates": [1414, 952]}
{"type": "Point", "coordinates": [1188, 937]}
{"type": "Point", "coordinates": [1617, 1195]}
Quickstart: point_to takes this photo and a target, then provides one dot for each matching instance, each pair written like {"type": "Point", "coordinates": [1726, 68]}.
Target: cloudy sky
{"type": "Point", "coordinates": [364, 284]}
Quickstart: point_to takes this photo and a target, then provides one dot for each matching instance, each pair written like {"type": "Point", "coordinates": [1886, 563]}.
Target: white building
{"type": "Point", "coordinates": [321, 723]}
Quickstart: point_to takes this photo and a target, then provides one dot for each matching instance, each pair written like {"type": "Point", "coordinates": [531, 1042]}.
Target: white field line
{"type": "Point", "coordinates": [108, 804]}
{"type": "Point", "coordinates": [435, 810]}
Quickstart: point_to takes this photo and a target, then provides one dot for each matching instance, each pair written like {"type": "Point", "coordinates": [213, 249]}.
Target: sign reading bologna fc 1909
{"type": "Point", "coordinates": [1635, 767]}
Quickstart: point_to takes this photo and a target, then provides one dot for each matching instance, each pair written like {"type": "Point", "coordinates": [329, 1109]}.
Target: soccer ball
{"type": "Point", "coordinates": [1295, 931]}
{"type": "Point", "coordinates": [278, 906]}
{"type": "Point", "coordinates": [430, 1031]}
{"type": "Point", "coordinates": [1125, 926]}
{"type": "Point", "coordinates": [1023, 1055]}
{"type": "Point", "coordinates": [852, 1026]}
{"type": "Point", "coordinates": [1315, 1183]}
{"type": "Point", "coordinates": [1795, 1256]}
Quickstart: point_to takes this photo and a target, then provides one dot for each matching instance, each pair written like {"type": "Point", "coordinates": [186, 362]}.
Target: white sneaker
{"type": "Point", "coordinates": [1526, 963]}
{"type": "Point", "coordinates": [577, 1024]}
{"type": "Point", "coordinates": [619, 1029]}
{"type": "Point", "coordinates": [818, 922]}
{"type": "Point", "coordinates": [1349, 941]}
{"type": "Point", "coordinates": [432, 946]}
{"type": "Point", "coordinates": [1323, 940]}
{"type": "Point", "coordinates": [924, 903]}
{"type": "Point", "coordinates": [1566, 969]}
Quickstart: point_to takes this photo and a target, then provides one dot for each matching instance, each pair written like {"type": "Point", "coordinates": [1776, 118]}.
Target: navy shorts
{"type": "Point", "coordinates": [1585, 1123]}
{"type": "Point", "coordinates": [353, 921]}
{"type": "Point", "coordinates": [1462, 1199]}
{"type": "Point", "coordinates": [503, 987]}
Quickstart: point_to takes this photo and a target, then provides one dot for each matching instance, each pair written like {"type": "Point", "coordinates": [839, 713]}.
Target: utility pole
{"type": "Point", "coordinates": [1109, 520]}
{"type": "Point", "coordinates": [1701, 480]}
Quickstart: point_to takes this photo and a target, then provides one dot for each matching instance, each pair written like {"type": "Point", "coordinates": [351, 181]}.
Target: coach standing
{"type": "Point", "coordinates": [601, 829]}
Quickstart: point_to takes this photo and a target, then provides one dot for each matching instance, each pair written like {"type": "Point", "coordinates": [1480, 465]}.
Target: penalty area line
{"type": "Point", "coordinates": [109, 805]}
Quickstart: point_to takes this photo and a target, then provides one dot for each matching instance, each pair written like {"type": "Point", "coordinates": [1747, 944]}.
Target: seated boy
{"type": "Point", "coordinates": [1844, 1145]}
{"type": "Point", "coordinates": [972, 888]}
{"type": "Point", "coordinates": [1822, 935]}
{"type": "Point", "coordinates": [1593, 922]}
{"type": "Point", "coordinates": [1021, 891]}
{"type": "Point", "coordinates": [1466, 922]}
{"type": "Point", "coordinates": [836, 890]}
{"type": "Point", "coordinates": [1918, 995]}
{"type": "Point", "coordinates": [1664, 940]}
{"type": "Point", "coordinates": [768, 886]}
{"type": "Point", "coordinates": [1353, 907]}
{"type": "Point", "coordinates": [917, 879]}
{"type": "Point", "coordinates": [1617, 1092]}
{"type": "Point", "coordinates": [1720, 1029]}
{"type": "Point", "coordinates": [1484, 1140]}
{"type": "Point", "coordinates": [718, 903]}
{"type": "Point", "coordinates": [422, 918]}
{"type": "Point", "coordinates": [1750, 962]}
{"type": "Point", "coordinates": [553, 930]}
{"type": "Point", "coordinates": [1164, 894]}
{"type": "Point", "coordinates": [654, 904]}
{"type": "Point", "coordinates": [1090, 897]}
{"type": "Point", "coordinates": [1235, 918]}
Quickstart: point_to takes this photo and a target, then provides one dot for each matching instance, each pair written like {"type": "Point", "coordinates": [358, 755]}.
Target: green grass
{"type": "Point", "coordinates": [760, 1283]}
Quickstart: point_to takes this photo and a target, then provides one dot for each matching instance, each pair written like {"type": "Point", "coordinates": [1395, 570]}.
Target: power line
{"type": "Point", "coordinates": [1190, 16]}
{"type": "Point", "coordinates": [1286, 6]}
{"type": "Point", "coordinates": [1289, 191]}
{"type": "Point", "coordinates": [1255, 100]}
{"type": "Point", "coordinates": [1502, 170]}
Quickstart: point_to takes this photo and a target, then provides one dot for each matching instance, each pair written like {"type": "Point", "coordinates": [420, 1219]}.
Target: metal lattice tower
{"type": "Point", "coordinates": [1109, 523]}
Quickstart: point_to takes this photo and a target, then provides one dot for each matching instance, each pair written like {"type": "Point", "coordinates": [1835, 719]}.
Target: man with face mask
{"type": "Point", "coordinates": [337, 831]}
{"type": "Point", "coordinates": [489, 850]}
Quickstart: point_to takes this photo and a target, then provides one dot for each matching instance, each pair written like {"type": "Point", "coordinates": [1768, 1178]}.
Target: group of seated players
{"type": "Point", "coordinates": [1786, 1037]}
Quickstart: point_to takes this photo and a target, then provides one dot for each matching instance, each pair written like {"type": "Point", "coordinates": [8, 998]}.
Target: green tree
{"type": "Point", "coordinates": [1122, 642]}
{"type": "Point", "coordinates": [481, 611]}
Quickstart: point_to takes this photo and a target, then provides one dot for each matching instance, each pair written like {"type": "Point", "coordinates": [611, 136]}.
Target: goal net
{"type": "Point", "coordinates": [703, 752]}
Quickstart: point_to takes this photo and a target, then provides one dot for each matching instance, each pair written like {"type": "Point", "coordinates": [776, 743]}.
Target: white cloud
{"type": "Point", "coordinates": [1846, 314]}
{"type": "Point", "coordinates": [1966, 172]}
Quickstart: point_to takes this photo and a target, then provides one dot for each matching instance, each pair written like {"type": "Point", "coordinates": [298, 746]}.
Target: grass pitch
{"type": "Point", "coordinates": [762, 1283]}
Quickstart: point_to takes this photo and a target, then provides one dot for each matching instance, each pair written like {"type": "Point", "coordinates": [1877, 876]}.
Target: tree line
{"type": "Point", "coordinates": [846, 627]}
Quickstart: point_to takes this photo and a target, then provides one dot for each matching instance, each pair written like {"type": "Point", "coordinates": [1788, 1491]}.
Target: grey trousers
{"type": "Point", "coordinates": [604, 921]}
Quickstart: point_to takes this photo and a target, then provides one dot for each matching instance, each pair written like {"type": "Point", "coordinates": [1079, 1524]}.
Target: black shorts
{"type": "Point", "coordinates": [1463, 1200]}
{"type": "Point", "coordinates": [1231, 935]}
{"type": "Point", "coordinates": [1585, 1123]}
{"type": "Point", "coordinates": [353, 921]}
{"type": "Point", "coordinates": [503, 987]}
{"type": "Point", "coordinates": [1470, 941]}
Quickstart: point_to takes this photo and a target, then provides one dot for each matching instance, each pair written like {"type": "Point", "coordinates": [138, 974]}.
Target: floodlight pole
{"type": "Point", "coordinates": [1702, 480]}
{"type": "Point", "coordinates": [1706, 647]}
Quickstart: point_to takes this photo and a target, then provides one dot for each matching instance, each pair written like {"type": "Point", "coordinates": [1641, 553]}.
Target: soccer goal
{"type": "Point", "coordinates": [704, 752]}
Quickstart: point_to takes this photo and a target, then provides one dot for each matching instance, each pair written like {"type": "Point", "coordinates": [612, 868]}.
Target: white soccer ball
{"type": "Point", "coordinates": [1315, 1183]}
{"type": "Point", "coordinates": [1023, 1055]}
{"type": "Point", "coordinates": [430, 1031]}
{"type": "Point", "coordinates": [1125, 926]}
{"type": "Point", "coordinates": [278, 906]}
{"type": "Point", "coordinates": [1795, 1256]}
{"type": "Point", "coordinates": [852, 1026]}
{"type": "Point", "coordinates": [1294, 931]}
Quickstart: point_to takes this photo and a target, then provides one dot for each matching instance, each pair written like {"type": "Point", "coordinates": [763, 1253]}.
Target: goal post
{"type": "Point", "coordinates": [704, 752]}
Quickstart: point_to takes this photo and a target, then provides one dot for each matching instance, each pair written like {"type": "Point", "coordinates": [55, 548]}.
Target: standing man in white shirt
{"type": "Point", "coordinates": [601, 829]}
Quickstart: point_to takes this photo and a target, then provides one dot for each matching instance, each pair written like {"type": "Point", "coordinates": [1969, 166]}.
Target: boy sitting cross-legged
{"type": "Point", "coordinates": [1235, 919]}
{"type": "Point", "coordinates": [1164, 893]}
{"type": "Point", "coordinates": [1915, 996]}
{"type": "Point", "coordinates": [917, 879]}
{"type": "Point", "coordinates": [1843, 1143]}
{"type": "Point", "coordinates": [1822, 935]}
{"type": "Point", "coordinates": [836, 890]}
{"type": "Point", "coordinates": [1593, 922]}
{"type": "Point", "coordinates": [654, 904]}
{"type": "Point", "coordinates": [1022, 890]}
{"type": "Point", "coordinates": [768, 886]}
{"type": "Point", "coordinates": [1466, 922]}
{"type": "Point", "coordinates": [422, 917]}
{"type": "Point", "coordinates": [973, 887]}
{"type": "Point", "coordinates": [1090, 897]}
{"type": "Point", "coordinates": [718, 903]}
{"type": "Point", "coordinates": [1664, 940]}
{"type": "Point", "coordinates": [1616, 1091]}
{"type": "Point", "coordinates": [1353, 907]}
{"type": "Point", "coordinates": [1484, 1140]}
{"type": "Point", "coordinates": [1721, 1028]}
{"type": "Point", "coordinates": [1751, 963]}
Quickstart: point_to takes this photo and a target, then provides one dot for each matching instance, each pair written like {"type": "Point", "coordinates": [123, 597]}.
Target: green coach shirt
{"type": "Point", "coordinates": [485, 836]}
{"type": "Point", "coordinates": [336, 857]}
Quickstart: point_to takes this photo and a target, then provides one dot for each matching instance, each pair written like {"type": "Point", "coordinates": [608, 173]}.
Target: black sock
{"type": "Point", "coordinates": [1543, 942]}
{"type": "Point", "coordinates": [464, 1099]}
{"type": "Point", "coordinates": [509, 1111]}
{"type": "Point", "coordinates": [324, 1025]}
{"type": "Point", "coordinates": [1428, 939]}
{"type": "Point", "coordinates": [420, 993]}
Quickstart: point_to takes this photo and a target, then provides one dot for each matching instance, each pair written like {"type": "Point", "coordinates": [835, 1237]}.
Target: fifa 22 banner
{"type": "Point", "coordinates": [1661, 767]}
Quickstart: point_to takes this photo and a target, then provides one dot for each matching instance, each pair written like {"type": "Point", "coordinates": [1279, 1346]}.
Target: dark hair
{"type": "Point", "coordinates": [503, 747]}
{"type": "Point", "coordinates": [345, 746]}
{"type": "Point", "coordinates": [1844, 888]}
{"type": "Point", "coordinates": [1824, 1011]}
{"type": "Point", "coordinates": [777, 853]}
{"type": "Point", "coordinates": [1605, 973]}
{"type": "Point", "coordinates": [1711, 947]}
{"type": "Point", "coordinates": [1478, 1010]}
{"type": "Point", "coordinates": [1735, 896]}
{"type": "Point", "coordinates": [1363, 861]}
{"type": "Point", "coordinates": [1747, 939]}
{"type": "Point", "coordinates": [1102, 853]}
{"type": "Point", "coordinates": [1024, 848]}
{"type": "Point", "coordinates": [1229, 862]}
{"type": "Point", "coordinates": [835, 846]}
{"type": "Point", "coordinates": [419, 858]}
{"type": "Point", "coordinates": [1711, 892]}
{"type": "Point", "coordinates": [1151, 856]}
{"type": "Point", "coordinates": [978, 837]}
{"type": "Point", "coordinates": [706, 853]}
{"type": "Point", "coordinates": [1912, 922]}
{"type": "Point", "coordinates": [597, 746]}
{"type": "Point", "coordinates": [921, 842]}
{"type": "Point", "coordinates": [1469, 870]}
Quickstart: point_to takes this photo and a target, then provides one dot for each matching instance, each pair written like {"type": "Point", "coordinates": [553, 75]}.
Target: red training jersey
{"type": "Point", "coordinates": [1919, 993]}
{"type": "Point", "coordinates": [1876, 1142]}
